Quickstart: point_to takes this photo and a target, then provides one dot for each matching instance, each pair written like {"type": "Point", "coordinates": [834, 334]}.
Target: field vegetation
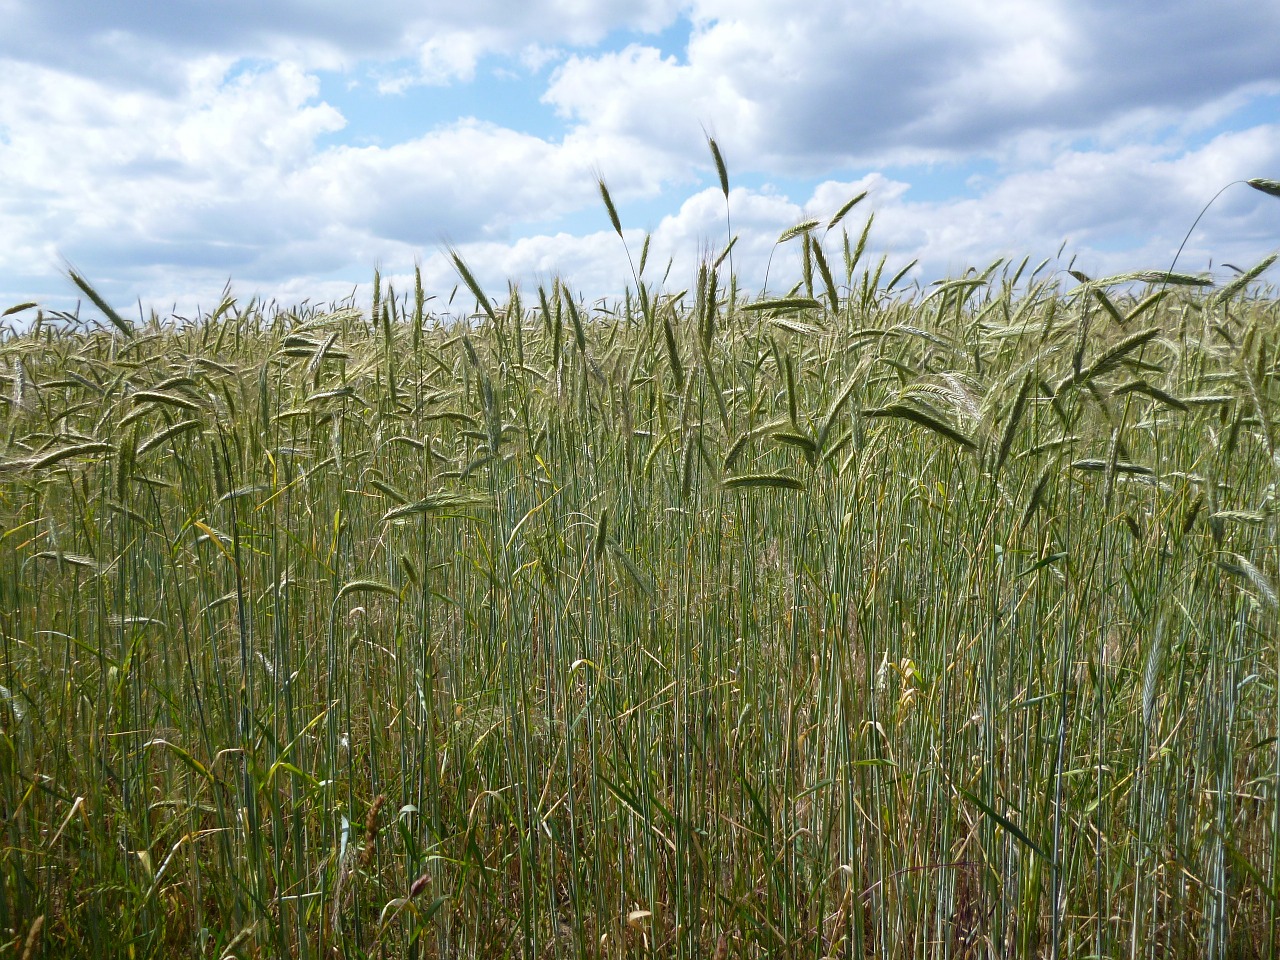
{"type": "Point", "coordinates": [865, 620]}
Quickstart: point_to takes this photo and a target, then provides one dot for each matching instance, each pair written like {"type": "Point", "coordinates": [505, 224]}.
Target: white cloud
{"type": "Point", "coordinates": [442, 59]}
{"type": "Point", "coordinates": [1119, 210]}
{"type": "Point", "coordinates": [225, 178]}
{"type": "Point", "coordinates": [1086, 199]}
{"type": "Point", "coordinates": [1145, 197]}
{"type": "Point", "coordinates": [173, 146]}
{"type": "Point", "coordinates": [256, 119]}
{"type": "Point", "coordinates": [132, 42]}
{"type": "Point", "coordinates": [128, 179]}
{"type": "Point", "coordinates": [637, 94]}
{"type": "Point", "coordinates": [534, 56]}
{"type": "Point", "coordinates": [828, 83]}
{"type": "Point", "coordinates": [466, 179]}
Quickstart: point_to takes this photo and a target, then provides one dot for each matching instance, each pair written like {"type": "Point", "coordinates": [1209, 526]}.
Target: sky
{"type": "Point", "coordinates": [164, 150]}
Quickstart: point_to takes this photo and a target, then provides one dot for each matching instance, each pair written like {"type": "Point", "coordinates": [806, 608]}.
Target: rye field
{"type": "Point", "coordinates": [862, 620]}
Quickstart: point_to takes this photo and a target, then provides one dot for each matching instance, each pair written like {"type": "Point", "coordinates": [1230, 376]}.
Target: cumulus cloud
{"type": "Point", "coordinates": [112, 170]}
{"type": "Point", "coordinates": [163, 148]}
{"type": "Point", "coordinates": [1115, 211]}
{"type": "Point", "coordinates": [1121, 209]}
{"type": "Point", "coordinates": [834, 83]}
{"type": "Point", "coordinates": [147, 43]}
{"type": "Point", "coordinates": [224, 176]}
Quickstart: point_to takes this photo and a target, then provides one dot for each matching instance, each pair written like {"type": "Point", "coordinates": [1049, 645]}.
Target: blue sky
{"type": "Point", "coordinates": [292, 147]}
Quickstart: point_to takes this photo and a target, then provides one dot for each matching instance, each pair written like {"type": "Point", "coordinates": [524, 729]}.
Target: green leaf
{"type": "Point", "coordinates": [187, 759]}
{"type": "Point", "coordinates": [1041, 564]}
{"type": "Point", "coordinates": [1007, 824]}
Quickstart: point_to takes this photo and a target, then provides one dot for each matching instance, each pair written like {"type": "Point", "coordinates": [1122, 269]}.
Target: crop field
{"type": "Point", "coordinates": [868, 620]}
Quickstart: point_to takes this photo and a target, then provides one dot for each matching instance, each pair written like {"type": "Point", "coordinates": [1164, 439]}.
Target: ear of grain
{"type": "Point", "coordinates": [673, 351]}
{"type": "Point", "coordinates": [579, 331]}
{"type": "Point", "coordinates": [119, 322]}
{"type": "Point", "coordinates": [799, 230]}
{"type": "Point", "coordinates": [465, 273]}
{"type": "Point", "coordinates": [21, 397]}
{"type": "Point", "coordinates": [1011, 424]}
{"type": "Point", "coordinates": [834, 408]}
{"type": "Point", "coordinates": [1112, 310]}
{"type": "Point", "coordinates": [167, 433]}
{"type": "Point", "coordinates": [1152, 674]}
{"type": "Point", "coordinates": [793, 399]}
{"type": "Point", "coordinates": [687, 451]}
{"type": "Point", "coordinates": [806, 262]}
{"type": "Point", "coordinates": [608, 205]}
{"type": "Point", "coordinates": [388, 490]}
{"type": "Point", "coordinates": [419, 307]}
{"type": "Point", "coordinates": [1259, 580]}
{"type": "Point", "coordinates": [32, 943]}
{"type": "Point", "coordinates": [1036, 496]}
{"type": "Point", "coordinates": [1142, 386]}
{"type": "Point", "coordinates": [725, 253]}
{"type": "Point", "coordinates": [702, 307]}
{"type": "Point", "coordinates": [930, 419]}
{"type": "Point", "coordinates": [762, 481]}
{"type": "Point", "coordinates": [833, 295]}
{"type": "Point", "coordinates": [599, 542]}
{"type": "Point", "coordinates": [873, 281]}
{"type": "Point", "coordinates": [897, 277]}
{"type": "Point", "coordinates": [781, 305]}
{"type": "Point", "coordinates": [722, 171]}
{"type": "Point", "coordinates": [1244, 279]}
{"type": "Point", "coordinates": [638, 577]}
{"type": "Point", "coordinates": [852, 259]}
{"type": "Point", "coordinates": [76, 450]}
{"type": "Point", "coordinates": [316, 363]}
{"type": "Point", "coordinates": [848, 205]}
{"type": "Point", "coordinates": [1252, 366]}
{"type": "Point", "coordinates": [617, 227]}
{"type": "Point", "coordinates": [1109, 359]}
{"type": "Point", "coordinates": [1270, 187]}
{"type": "Point", "coordinates": [441, 503]}
{"type": "Point", "coordinates": [126, 455]}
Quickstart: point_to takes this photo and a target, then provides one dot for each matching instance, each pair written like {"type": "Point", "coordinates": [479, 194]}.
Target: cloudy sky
{"type": "Point", "coordinates": [163, 149]}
